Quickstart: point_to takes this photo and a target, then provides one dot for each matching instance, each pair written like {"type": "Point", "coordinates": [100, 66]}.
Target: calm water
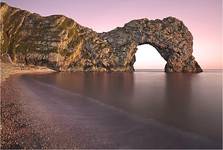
{"type": "Point", "coordinates": [189, 102]}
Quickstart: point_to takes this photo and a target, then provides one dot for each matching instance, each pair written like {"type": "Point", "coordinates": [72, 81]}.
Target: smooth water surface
{"type": "Point", "coordinates": [188, 102]}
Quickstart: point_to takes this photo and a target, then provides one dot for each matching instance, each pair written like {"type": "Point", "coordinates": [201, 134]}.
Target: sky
{"type": "Point", "coordinates": [202, 17]}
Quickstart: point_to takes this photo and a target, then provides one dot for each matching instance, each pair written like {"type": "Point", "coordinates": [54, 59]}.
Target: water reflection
{"type": "Point", "coordinates": [191, 102]}
{"type": "Point", "coordinates": [111, 88]}
{"type": "Point", "coordinates": [177, 97]}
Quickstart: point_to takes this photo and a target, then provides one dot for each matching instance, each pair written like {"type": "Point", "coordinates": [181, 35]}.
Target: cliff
{"type": "Point", "coordinates": [62, 44]}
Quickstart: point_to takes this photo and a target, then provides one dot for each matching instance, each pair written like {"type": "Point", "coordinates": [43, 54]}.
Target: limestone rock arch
{"type": "Point", "coordinates": [169, 36]}
{"type": "Point", "coordinates": [62, 44]}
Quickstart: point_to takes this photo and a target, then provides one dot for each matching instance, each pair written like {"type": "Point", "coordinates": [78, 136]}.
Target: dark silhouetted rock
{"type": "Point", "coordinates": [62, 44]}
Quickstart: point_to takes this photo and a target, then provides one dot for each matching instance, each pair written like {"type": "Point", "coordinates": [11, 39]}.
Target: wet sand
{"type": "Point", "coordinates": [40, 115]}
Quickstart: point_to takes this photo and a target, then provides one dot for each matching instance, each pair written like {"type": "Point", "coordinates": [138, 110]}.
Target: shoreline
{"type": "Point", "coordinates": [16, 125]}
{"type": "Point", "coordinates": [34, 120]}
{"type": "Point", "coordinates": [32, 116]}
{"type": "Point", "coordinates": [18, 129]}
{"type": "Point", "coordinates": [8, 69]}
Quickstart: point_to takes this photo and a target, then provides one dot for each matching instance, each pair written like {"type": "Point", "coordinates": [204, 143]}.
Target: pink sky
{"type": "Point", "coordinates": [202, 17]}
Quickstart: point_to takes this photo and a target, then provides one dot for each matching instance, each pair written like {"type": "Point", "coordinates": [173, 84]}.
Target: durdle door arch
{"type": "Point", "coordinates": [169, 36]}
{"type": "Point", "coordinates": [62, 44]}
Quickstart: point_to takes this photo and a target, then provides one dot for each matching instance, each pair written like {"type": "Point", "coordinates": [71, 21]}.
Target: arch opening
{"type": "Point", "coordinates": [148, 57]}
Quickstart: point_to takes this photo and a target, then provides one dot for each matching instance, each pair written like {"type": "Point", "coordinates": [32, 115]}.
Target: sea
{"type": "Point", "coordinates": [190, 102]}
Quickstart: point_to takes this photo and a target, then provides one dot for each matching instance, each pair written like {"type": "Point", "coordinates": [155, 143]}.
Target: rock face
{"type": "Point", "coordinates": [62, 44]}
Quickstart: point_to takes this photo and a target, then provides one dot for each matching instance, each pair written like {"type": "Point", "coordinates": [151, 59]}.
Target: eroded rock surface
{"type": "Point", "coordinates": [62, 44]}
